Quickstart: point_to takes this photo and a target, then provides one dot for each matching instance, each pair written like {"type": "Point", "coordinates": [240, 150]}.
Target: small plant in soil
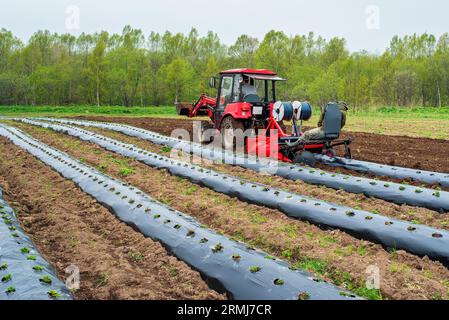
{"type": "Point", "coordinates": [124, 172]}
{"type": "Point", "coordinates": [388, 223]}
{"type": "Point", "coordinates": [402, 188]}
{"type": "Point", "coordinates": [10, 290]}
{"type": "Point", "coordinates": [25, 250]}
{"type": "Point", "coordinates": [350, 213]}
{"type": "Point", "coordinates": [38, 268]}
{"type": "Point", "coordinates": [156, 216]}
{"type": "Point", "coordinates": [54, 294]}
{"type": "Point", "coordinates": [268, 257]}
{"type": "Point", "coordinates": [7, 278]}
{"type": "Point", "coordinates": [46, 280]}
{"type": "Point", "coordinates": [190, 233]}
{"type": "Point", "coordinates": [436, 194]}
{"type": "Point", "coordinates": [3, 266]}
{"type": "Point", "coordinates": [33, 258]}
{"type": "Point", "coordinates": [278, 282]}
{"type": "Point", "coordinates": [418, 191]}
{"type": "Point", "coordinates": [303, 296]}
{"type": "Point", "coordinates": [411, 228]}
{"type": "Point", "coordinates": [204, 240]}
{"type": "Point", "coordinates": [135, 256]}
{"type": "Point", "coordinates": [217, 248]}
{"type": "Point", "coordinates": [254, 269]}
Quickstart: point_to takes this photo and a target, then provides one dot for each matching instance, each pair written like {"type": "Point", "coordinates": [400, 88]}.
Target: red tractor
{"type": "Point", "coordinates": [246, 99]}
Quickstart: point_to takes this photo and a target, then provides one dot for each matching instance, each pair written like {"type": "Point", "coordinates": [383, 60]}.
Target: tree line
{"type": "Point", "coordinates": [133, 69]}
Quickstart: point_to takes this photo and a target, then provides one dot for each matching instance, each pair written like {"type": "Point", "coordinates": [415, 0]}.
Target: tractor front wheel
{"type": "Point", "coordinates": [229, 130]}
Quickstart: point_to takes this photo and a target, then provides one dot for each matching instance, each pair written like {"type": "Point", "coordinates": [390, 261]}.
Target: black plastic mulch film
{"type": "Point", "coordinates": [386, 171]}
{"type": "Point", "coordinates": [24, 274]}
{"type": "Point", "coordinates": [394, 192]}
{"type": "Point", "coordinates": [243, 272]}
{"type": "Point", "coordinates": [418, 239]}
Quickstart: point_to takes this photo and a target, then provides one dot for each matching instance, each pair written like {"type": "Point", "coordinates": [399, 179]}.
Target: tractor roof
{"type": "Point", "coordinates": [250, 71]}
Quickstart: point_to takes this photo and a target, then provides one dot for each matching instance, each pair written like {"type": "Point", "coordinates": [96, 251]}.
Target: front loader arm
{"type": "Point", "coordinates": [204, 103]}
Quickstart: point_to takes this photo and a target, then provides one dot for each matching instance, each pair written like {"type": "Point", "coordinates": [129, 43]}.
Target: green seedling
{"type": "Point", "coordinates": [350, 213]}
{"type": "Point", "coordinates": [10, 290]}
{"type": "Point", "coordinates": [33, 258]}
{"type": "Point", "coordinates": [278, 282]}
{"type": "Point", "coordinates": [4, 266]}
{"type": "Point", "coordinates": [156, 216]}
{"type": "Point", "coordinates": [204, 240]}
{"type": "Point", "coordinates": [38, 268]}
{"type": "Point", "coordinates": [418, 191]}
{"type": "Point", "coordinates": [270, 257]}
{"type": "Point", "coordinates": [124, 172]}
{"type": "Point", "coordinates": [25, 250]}
{"type": "Point", "coordinates": [254, 269]}
{"type": "Point", "coordinates": [7, 278]}
{"type": "Point", "coordinates": [46, 280]}
{"type": "Point", "coordinates": [217, 248]}
{"type": "Point", "coordinates": [54, 294]}
{"type": "Point", "coordinates": [436, 194]}
{"type": "Point", "coordinates": [402, 188]}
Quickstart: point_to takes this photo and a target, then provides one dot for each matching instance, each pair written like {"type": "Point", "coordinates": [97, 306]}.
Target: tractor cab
{"type": "Point", "coordinates": [246, 100]}
{"type": "Point", "coordinates": [245, 95]}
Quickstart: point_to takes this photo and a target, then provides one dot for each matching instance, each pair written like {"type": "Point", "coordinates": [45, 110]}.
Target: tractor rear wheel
{"type": "Point", "coordinates": [228, 129]}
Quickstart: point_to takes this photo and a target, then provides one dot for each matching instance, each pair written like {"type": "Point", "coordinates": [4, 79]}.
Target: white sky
{"type": "Point", "coordinates": [355, 20]}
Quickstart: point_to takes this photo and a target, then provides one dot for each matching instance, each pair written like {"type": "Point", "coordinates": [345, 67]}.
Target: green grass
{"type": "Point", "coordinates": [87, 110]}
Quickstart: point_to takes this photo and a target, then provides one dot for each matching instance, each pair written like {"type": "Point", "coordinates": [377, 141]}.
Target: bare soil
{"type": "Point", "coordinates": [69, 227]}
{"type": "Point", "coordinates": [417, 153]}
{"type": "Point", "coordinates": [329, 254]}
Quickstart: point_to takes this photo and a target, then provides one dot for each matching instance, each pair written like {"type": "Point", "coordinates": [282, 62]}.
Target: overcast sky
{"type": "Point", "coordinates": [366, 24]}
